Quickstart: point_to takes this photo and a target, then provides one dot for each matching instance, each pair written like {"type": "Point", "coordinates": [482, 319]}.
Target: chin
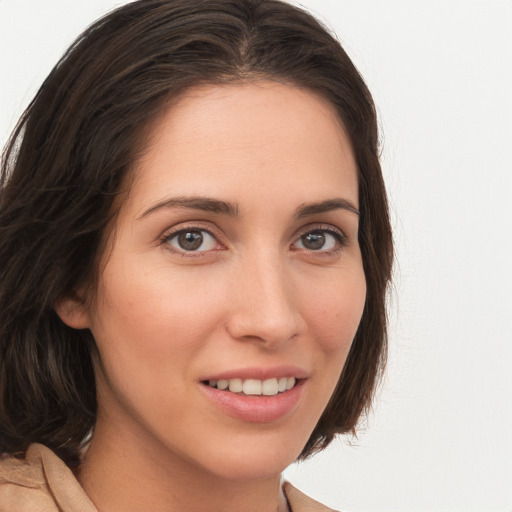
{"type": "Point", "coordinates": [243, 470]}
{"type": "Point", "coordinates": [259, 458]}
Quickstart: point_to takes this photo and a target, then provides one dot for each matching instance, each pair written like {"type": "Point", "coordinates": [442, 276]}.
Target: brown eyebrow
{"type": "Point", "coordinates": [204, 204]}
{"type": "Point", "coordinates": [207, 204]}
{"type": "Point", "coordinates": [313, 208]}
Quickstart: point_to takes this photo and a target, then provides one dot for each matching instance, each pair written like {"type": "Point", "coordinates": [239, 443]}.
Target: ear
{"type": "Point", "coordinates": [73, 312]}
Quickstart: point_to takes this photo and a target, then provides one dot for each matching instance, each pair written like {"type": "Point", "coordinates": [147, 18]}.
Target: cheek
{"type": "Point", "coordinates": [157, 297]}
{"type": "Point", "coordinates": [149, 326]}
{"type": "Point", "coordinates": [146, 318]}
{"type": "Point", "coordinates": [334, 312]}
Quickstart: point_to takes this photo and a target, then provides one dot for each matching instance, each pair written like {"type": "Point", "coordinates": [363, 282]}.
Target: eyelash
{"type": "Point", "coordinates": [165, 241]}
{"type": "Point", "coordinates": [338, 235]}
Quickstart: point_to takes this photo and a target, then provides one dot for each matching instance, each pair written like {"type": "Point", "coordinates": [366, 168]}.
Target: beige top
{"type": "Point", "coordinates": [43, 483]}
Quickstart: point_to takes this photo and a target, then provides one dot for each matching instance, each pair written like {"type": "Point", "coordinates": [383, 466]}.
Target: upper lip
{"type": "Point", "coordinates": [260, 373]}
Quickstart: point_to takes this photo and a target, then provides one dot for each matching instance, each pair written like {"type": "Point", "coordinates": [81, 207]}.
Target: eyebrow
{"type": "Point", "coordinates": [204, 204]}
{"type": "Point", "coordinates": [207, 204]}
{"type": "Point", "coordinates": [307, 209]}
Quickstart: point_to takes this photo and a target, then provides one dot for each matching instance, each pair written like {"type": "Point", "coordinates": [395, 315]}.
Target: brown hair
{"type": "Point", "coordinates": [72, 148]}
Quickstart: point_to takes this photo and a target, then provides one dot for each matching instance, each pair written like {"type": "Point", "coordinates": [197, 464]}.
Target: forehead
{"type": "Point", "coordinates": [222, 140]}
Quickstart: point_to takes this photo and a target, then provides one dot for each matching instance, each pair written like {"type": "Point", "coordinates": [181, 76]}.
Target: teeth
{"type": "Point", "coordinates": [269, 387]}
{"type": "Point", "coordinates": [252, 387]}
{"type": "Point", "coordinates": [235, 385]}
{"type": "Point", "coordinates": [222, 384]}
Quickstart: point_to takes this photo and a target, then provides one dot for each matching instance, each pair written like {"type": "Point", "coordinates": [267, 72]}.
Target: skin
{"type": "Point", "coordinates": [164, 318]}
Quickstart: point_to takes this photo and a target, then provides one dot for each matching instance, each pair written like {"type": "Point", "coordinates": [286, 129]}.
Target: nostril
{"type": "Point", "coordinates": [264, 329]}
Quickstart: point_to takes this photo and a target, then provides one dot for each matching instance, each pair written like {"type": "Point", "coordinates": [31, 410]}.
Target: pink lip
{"type": "Point", "coordinates": [256, 409]}
{"type": "Point", "coordinates": [260, 373]}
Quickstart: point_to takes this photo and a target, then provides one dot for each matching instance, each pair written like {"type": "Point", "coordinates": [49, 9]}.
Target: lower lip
{"type": "Point", "coordinates": [256, 409]}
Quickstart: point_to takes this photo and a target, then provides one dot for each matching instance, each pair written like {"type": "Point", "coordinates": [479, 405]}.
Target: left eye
{"type": "Point", "coordinates": [318, 240]}
{"type": "Point", "coordinates": [192, 240]}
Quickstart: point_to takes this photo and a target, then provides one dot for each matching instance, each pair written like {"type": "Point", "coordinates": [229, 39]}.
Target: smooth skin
{"type": "Point", "coordinates": [271, 276]}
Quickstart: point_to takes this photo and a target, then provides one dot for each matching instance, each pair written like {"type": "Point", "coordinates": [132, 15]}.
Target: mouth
{"type": "Point", "coordinates": [254, 387]}
{"type": "Point", "coordinates": [256, 400]}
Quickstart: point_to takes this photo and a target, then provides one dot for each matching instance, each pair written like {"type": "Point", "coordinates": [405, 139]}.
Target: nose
{"type": "Point", "coordinates": [264, 307]}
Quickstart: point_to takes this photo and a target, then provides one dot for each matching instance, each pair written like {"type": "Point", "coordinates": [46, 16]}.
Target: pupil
{"type": "Point", "coordinates": [190, 240]}
{"type": "Point", "coordinates": [315, 240]}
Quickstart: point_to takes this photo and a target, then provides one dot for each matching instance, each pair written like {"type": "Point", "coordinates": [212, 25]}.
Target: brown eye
{"type": "Point", "coordinates": [319, 240]}
{"type": "Point", "coordinates": [313, 241]}
{"type": "Point", "coordinates": [192, 240]}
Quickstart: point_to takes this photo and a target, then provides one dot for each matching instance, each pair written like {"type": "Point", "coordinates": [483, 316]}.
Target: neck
{"type": "Point", "coordinates": [125, 475]}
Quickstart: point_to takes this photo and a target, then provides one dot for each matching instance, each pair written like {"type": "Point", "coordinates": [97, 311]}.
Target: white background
{"type": "Point", "coordinates": [440, 438]}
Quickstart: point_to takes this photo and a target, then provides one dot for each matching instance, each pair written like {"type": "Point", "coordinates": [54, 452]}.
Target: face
{"type": "Point", "coordinates": [235, 262]}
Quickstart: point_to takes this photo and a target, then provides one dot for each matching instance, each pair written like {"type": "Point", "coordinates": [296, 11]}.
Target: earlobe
{"type": "Point", "coordinates": [73, 312]}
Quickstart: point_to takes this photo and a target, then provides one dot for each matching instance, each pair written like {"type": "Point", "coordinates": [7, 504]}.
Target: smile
{"type": "Point", "coordinates": [255, 400]}
{"type": "Point", "coordinates": [254, 387]}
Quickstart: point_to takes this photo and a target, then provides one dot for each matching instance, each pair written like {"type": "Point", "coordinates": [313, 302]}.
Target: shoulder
{"type": "Point", "coordinates": [40, 482]}
{"type": "Point", "coordinates": [299, 502]}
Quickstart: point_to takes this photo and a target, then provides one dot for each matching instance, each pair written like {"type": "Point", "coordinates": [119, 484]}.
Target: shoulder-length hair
{"type": "Point", "coordinates": [71, 150]}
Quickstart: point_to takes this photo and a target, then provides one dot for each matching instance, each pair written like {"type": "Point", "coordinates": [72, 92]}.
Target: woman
{"type": "Point", "coordinates": [194, 259]}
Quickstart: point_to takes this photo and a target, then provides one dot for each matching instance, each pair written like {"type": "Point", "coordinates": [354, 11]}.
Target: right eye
{"type": "Point", "coordinates": [191, 240]}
